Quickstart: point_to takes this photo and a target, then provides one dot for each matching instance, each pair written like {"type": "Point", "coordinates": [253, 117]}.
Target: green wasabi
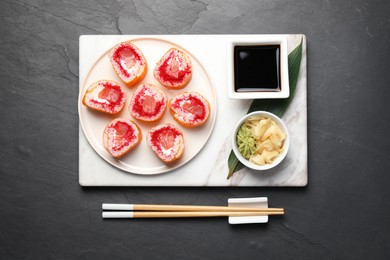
{"type": "Point", "coordinates": [246, 142]}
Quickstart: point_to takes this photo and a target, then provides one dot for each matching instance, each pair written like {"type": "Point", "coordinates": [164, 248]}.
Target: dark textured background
{"type": "Point", "coordinates": [343, 213]}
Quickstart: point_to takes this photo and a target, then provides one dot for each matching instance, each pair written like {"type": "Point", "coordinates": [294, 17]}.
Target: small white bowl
{"type": "Point", "coordinates": [259, 40]}
{"type": "Point", "coordinates": [246, 162]}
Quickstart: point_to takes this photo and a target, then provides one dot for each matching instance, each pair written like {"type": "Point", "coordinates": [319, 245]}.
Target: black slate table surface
{"type": "Point", "coordinates": [343, 213]}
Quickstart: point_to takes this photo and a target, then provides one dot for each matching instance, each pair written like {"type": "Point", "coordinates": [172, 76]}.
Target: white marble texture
{"type": "Point", "coordinates": [209, 167]}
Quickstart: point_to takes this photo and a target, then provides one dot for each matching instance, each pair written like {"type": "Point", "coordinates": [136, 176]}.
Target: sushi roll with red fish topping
{"type": "Point", "coordinates": [128, 62]}
{"type": "Point", "coordinates": [148, 103]}
{"type": "Point", "coordinates": [190, 109]}
{"type": "Point", "coordinates": [167, 142]}
{"type": "Point", "coordinates": [120, 136]}
{"type": "Point", "coordinates": [105, 96]}
{"type": "Point", "coordinates": [174, 70]}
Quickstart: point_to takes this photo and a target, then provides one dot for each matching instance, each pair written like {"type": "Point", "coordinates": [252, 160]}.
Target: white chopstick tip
{"type": "Point", "coordinates": [112, 206]}
{"type": "Point", "coordinates": [118, 214]}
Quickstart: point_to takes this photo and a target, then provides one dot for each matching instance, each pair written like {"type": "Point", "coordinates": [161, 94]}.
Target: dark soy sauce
{"type": "Point", "coordinates": [257, 68]}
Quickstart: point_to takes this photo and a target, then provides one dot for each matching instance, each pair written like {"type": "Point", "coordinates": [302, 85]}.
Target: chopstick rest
{"type": "Point", "coordinates": [257, 202]}
{"type": "Point", "coordinates": [239, 211]}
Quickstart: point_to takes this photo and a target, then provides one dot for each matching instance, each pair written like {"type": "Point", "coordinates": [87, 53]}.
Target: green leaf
{"type": "Point", "coordinates": [275, 106]}
{"type": "Point", "coordinates": [234, 164]}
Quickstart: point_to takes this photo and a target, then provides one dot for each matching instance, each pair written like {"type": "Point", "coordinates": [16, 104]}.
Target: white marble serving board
{"type": "Point", "coordinates": [209, 167]}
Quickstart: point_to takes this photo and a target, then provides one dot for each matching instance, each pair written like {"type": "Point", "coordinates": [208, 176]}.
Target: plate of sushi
{"type": "Point", "coordinates": [147, 105]}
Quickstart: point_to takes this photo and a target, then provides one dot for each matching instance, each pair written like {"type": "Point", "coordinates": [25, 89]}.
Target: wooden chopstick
{"type": "Point", "coordinates": [183, 214]}
{"type": "Point", "coordinates": [147, 207]}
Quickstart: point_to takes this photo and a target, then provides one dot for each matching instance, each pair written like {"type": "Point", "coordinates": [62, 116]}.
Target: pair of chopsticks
{"type": "Point", "coordinates": [182, 211]}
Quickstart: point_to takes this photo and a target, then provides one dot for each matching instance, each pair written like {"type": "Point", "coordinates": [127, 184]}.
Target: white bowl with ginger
{"type": "Point", "coordinates": [260, 140]}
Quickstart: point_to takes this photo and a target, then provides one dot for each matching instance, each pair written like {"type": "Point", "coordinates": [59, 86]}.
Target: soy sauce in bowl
{"type": "Point", "coordinates": [257, 68]}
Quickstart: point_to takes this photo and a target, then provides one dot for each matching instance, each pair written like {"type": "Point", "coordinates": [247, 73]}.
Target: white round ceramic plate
{"type": "Point", "coordinates": [142, 160]}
